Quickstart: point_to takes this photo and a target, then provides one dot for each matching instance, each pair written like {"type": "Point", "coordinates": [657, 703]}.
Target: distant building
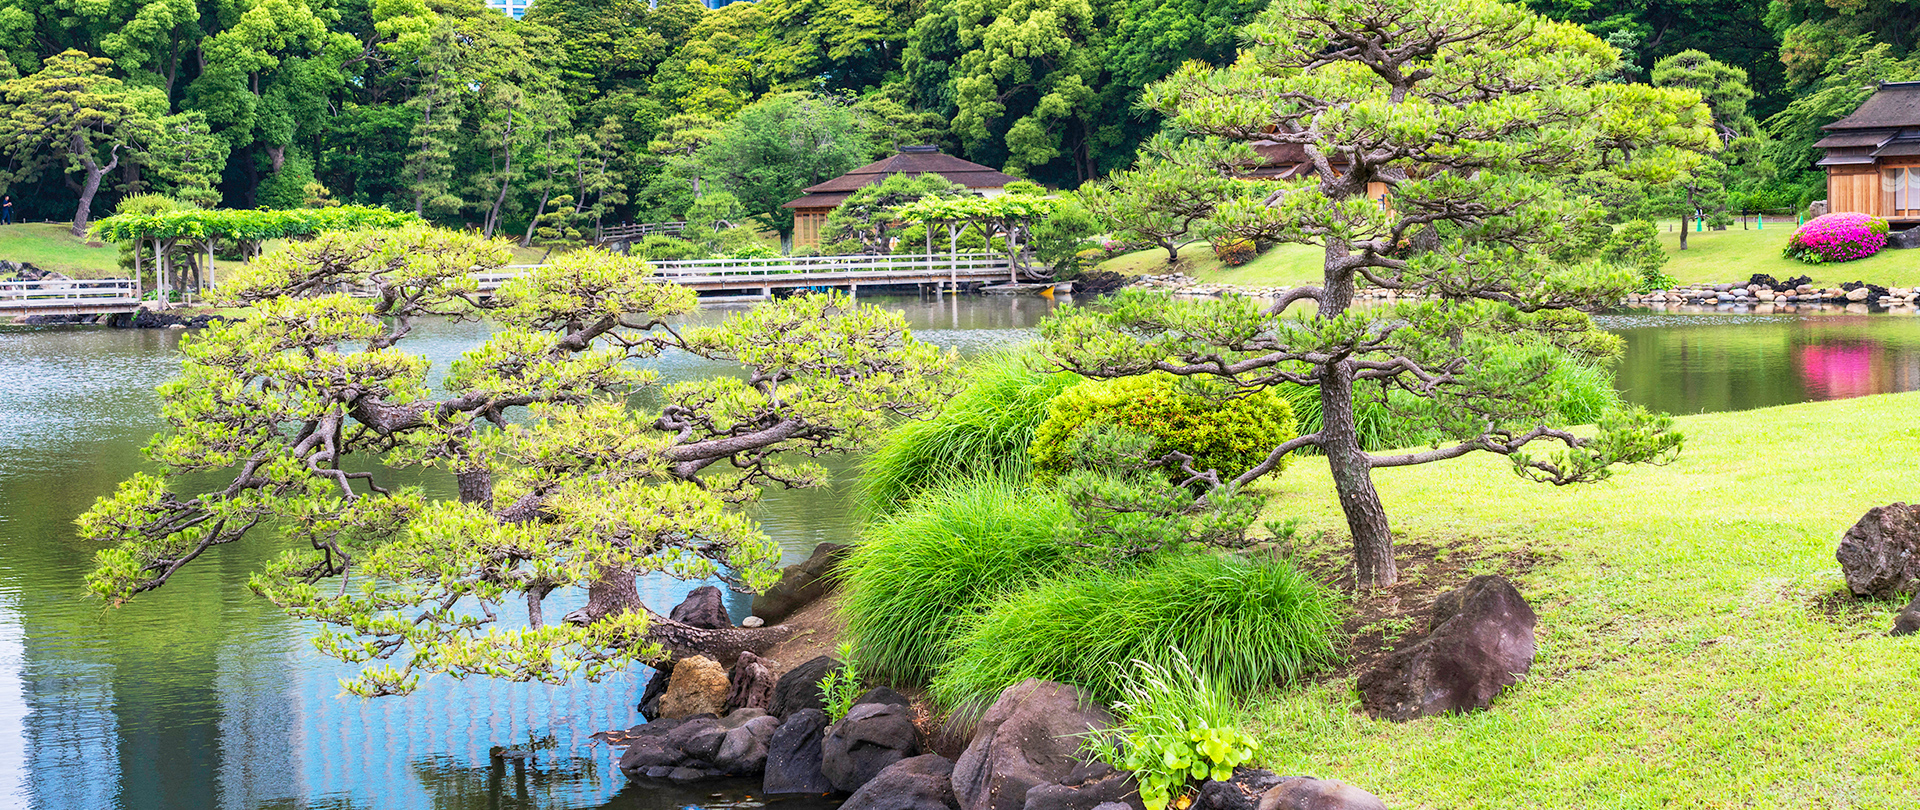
{"type": "Point", "coordinates": [513, 8]}
{"type": "Point", "coordinates": [810, 211]}
{"type": "Point", "coordinates": [1873, 156]}
{"type": "Point", "coordinates": [1289, 161]}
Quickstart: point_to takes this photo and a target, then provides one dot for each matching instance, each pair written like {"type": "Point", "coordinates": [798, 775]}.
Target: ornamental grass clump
{"type": "Point", "coordinates": [918, 573]}
{"type": "Point", "coordinates": [984, 429]}
{"type": "Point", "coordinates": [1839, 237]}
{"type": "Point", "coordinates": [1243, 623]}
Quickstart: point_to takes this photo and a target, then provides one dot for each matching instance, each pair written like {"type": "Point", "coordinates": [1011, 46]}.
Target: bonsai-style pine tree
{"type": "Point", "coordinates": [298, 419]}
{"type": "Point", "coordinates": [1438, 136]}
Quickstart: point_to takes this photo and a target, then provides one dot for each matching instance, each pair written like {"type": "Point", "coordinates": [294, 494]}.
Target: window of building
{"type": "Point", "coordinates": [1900, 189]}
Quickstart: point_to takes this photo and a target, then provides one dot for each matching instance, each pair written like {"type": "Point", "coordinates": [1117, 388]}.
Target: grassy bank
{"type": "Point", "coordinates": [1711, 257]}
{"type": "Point", "coordinates": [48, 246]}
{"type": "Point", "coordinates": [1697, 648]}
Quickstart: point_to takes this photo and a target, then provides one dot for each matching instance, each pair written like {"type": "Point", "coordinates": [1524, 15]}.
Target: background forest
{"type": "Point", "coordinates": [600, 111]}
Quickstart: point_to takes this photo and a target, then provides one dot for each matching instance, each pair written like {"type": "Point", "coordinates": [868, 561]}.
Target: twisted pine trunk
{"type": "Point", "coordinates": [1349, 463]}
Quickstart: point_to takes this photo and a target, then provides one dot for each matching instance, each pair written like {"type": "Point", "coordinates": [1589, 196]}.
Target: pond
{"type": "Point", "coordinates": [202, 696]}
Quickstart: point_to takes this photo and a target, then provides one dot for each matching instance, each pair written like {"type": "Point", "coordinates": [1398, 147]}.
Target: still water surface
{"type": "Point", "coordinates": [202, 696]}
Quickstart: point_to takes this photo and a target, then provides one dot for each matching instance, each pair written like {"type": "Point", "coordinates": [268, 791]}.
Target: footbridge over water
{"type": "Point", "coordinates": [69, 297]}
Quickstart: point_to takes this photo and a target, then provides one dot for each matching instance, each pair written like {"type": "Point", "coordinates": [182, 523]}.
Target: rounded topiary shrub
{"type": "Point", "coordinates": [1837, 238]}
{"type": "Point", "coordinates": [1229, 434]}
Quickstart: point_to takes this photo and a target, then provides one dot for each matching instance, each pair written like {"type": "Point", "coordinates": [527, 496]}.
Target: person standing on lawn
{"type": "Point", "coordinates": [6, 209]}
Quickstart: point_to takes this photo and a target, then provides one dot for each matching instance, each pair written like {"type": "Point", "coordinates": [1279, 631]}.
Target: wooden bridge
{"type": "Point", "coordinates": [68, 297]}
{"type": "Point", "coordinates": [758, 278]}
{"type": "Point", "coordinates": [630, 231]}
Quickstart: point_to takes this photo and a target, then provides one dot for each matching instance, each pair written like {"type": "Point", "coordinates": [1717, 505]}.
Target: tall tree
{"type": "Point", "coordinates": [782, 144]}
{"type": "Point", "coordinates": [186, 159]}
{"type": "Point", "coordinates": [1470, 114]}
{"type": "Point", "coordinates": [73, 114]}
{"type": "Point", "coordinates": [304, 410]}
{"type": "Point", "coordinates": [1169, 198]}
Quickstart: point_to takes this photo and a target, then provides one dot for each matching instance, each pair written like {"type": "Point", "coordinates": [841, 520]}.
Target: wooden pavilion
{"type": "Point", "coordinates": [1873, 156]}
{"type": "Point", "coordinates": [810, 211]}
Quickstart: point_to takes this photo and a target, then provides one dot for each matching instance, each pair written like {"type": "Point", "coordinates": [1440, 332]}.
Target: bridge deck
{"type": "Point", "coordinates": [69, 297]}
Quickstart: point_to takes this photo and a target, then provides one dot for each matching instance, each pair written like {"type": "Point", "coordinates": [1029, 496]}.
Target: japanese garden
{"type": "Point", "coordinates": [946, 405]}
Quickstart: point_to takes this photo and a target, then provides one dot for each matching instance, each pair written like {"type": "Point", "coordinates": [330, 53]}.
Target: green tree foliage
{"type": "Point", "coordinates": [73, 116]}
{"type": "Point", "coordinates": [866, 222]}
{"type": "Point", "coordinates": [186, 159]}
{"type": "Point", "coordinates": [1466, 112]}
{"type": "Point", "coordinates": [782, 144]}
{"type": "Point", "coordinates": [307, 405]}
{"type": "Point", "coordinates": [1815, 34]}
{"type": "Point", "coordinates": [1848, 80]}
{"type": "Point", "coordinates": [1169, 197]}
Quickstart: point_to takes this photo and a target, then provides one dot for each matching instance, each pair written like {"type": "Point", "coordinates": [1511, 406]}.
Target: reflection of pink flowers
{"type": "Point", "coordinates": [1838, 238]}
{"type": "Point", "coordinates": [1838, 371]}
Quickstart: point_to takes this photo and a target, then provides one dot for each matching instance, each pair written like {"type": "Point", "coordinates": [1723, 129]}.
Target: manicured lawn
{"type": "Point", "coordinates": [1735, 255]}
{"type": "Point", "coordinates": [1281, 265]}
{"type": "Point", "coordinates": [48, 246]}
{"type": "Point", "coordinates": [1697, 648]}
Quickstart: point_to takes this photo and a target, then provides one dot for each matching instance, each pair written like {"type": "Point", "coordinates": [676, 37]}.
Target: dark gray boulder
{"type": "Point", "coordinates": [793, 755]}
{"type": "Point", "coordinates": [656, 688]}
{"type": "Point", "coordinates": [1481, 643]}
{"type": "Point", "coordinates": [1242, 792]}
{"type": "Point", "coordinates": [799, 688]}
{"type": "Point", "coordinates": [800, 583]}
{"type": "Point", "coordinates": [704, 608]}
{"type": "Point", "coordinates": [871, 737]}
{"type": "Point", "coordinates": [881, 694]}
{"type": "Point", "coordinates": [750, 684]}
{"type": "Point", "coordinates": [1880, 554]}
{"type": "Point", "coordinates": [924, 782]}
{"type": "Point", "coordinates": [1308, 793]}
{"type": "Point", "coordinates": [1030, 736]}
{"type": "Point", "coordinates": [698, 738]}
{"type": "Point", "coordinates": [743, 751]}
{"type": "Point", "coordinates": [1908, 621]}
{"type": "Point", "coordinates": [1089, 785]}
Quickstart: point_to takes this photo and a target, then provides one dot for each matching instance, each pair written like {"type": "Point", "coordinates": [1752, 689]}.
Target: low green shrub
{"type": "Point", "coordinates": [1228, 434]}
{"type": "Point", "coordinates": [919, 572]}
{"type": "Point", "coordinates": [1244, 624]}
{"type": "Point", "coordinates": [1175, 728]}
{"type": "Point", "coordinates": [1235, 252]}
{"type": "Point", "coordinates": [666, 248]}
{"type": "Point", "coordinates": [843, 685]}
{"type": "Point", "coordinates": [984, 429]}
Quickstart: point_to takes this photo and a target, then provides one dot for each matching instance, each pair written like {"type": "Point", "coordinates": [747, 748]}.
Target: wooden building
{"type": "Point", "coordinates": [1873, 156]}
{"type": "Point", "coordinates": [810, 211]}
{"type": "Point", "coordinates": [1289, 161]}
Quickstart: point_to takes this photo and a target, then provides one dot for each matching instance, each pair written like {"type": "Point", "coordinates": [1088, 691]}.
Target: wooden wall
{"type": "Point", "coordinates": [1853, 190]}
{"type": "Point", "coordinates": [806, 227]}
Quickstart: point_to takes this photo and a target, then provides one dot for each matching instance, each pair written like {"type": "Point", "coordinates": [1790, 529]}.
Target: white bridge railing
{"type": "Point", "coordinates": [109, 293]}
{"type": "Point", "coordinates": [806, 270]}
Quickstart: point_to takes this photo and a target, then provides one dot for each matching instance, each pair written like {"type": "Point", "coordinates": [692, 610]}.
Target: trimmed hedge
{"type": "Point", "coordinates": [1228, 434]}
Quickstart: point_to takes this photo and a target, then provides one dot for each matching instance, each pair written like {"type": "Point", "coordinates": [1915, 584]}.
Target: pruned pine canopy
{"type": "Point", "coordinates": [304, 410]}
{"type": "Point", "coordinates": [1446, 142]}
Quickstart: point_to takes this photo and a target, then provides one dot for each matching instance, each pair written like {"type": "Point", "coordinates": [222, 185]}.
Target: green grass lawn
{"type": "Point", "coordinates": [1697, 648]}
{"type": "Point", "coordinates": [1279, 266]}
{"type": "Point", "coordinates": [48, 246]}
{"type": "Point", "coordinates": [1735, 255]}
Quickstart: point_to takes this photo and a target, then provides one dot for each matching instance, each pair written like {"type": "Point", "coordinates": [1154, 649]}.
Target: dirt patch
{"type": "Point", "coordinates": [1383, 619]}
{"type": "Point", "coordinates": [819, 629]}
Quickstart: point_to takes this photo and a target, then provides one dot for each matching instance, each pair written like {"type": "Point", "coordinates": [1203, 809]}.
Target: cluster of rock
{"type": "Point", "coordinates": [142, 318]}
{"type": "Point", "coordinates": [1025, 754]}
{"type": "Point", "coordinates": [25, 271]}
{"type": "Point", "coordinates": [1190, 286]}
{"type": "Point", "coordinates": [1764, 289]}
{"type": "Point", "coordinates": [1880, 558]}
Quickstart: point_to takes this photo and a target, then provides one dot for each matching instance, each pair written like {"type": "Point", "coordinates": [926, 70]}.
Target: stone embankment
{"type": "Point", "coordinates": [1764, 294]}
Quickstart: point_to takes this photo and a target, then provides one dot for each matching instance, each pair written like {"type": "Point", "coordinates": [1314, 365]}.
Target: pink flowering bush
{"type": "Point", "coordinates": [1837, 238]}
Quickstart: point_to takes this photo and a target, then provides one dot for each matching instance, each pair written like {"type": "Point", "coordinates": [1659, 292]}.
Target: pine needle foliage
{"type": "Point", "coordinates": [1243, 623]}
{"type": "Point", "coordinates": [919, 573]}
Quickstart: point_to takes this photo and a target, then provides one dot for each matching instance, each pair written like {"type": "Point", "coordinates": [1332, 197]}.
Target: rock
{"type": "Point", "coordinates": [698, 686]}
{"type": "Point", "coordinates": [881, 694]}
{"type": "Point", "coordinates": [1308, 793]}
{"type": "Point", "coordinates": [924, 782]}
{"type": "Point", "coordinates": [1908, 621]}
{"type": "Point", "coordinates": [703, 609]}
{"type": "Point", "coordinates": [1909, 238]}
{"type": "Point", "coordinates": [753, 621]}
{"type": "Point", "coordinates": [750, 684]}
{"type": "Point", "coordinates": [1031, 736]}
{"type": "Point", "coordinates": [1880, 554]}
{"type": "Point", "coordinates": [744, 749]}
{"type": "Point", "coordinates": [801, 583]}
{"type": "Point", "coordinates": [860, 746]}
{"type": "Point", "coordinates": [688, 774]}
{"type": "Point", "coordinates": [656, 687]}
{"type": "Point", "coordinates": [1242, 792]}
{"type": "Point", "coordinates": [1481, 642]}
{"type": "Point", "coordinates": [1858, 294]}
{"type": "Point", "coordinates": [793, 755]}
{"type": "Point", "coordinates": [1089, 785]}
{"type": "Point", "coordinates": [697, 738]}
{"type": "Point", "coordinates": [799, 688]}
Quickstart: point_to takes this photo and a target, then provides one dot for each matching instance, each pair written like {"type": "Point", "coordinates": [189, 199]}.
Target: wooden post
{"type": "Point", "coordinates": [211, 280]}
{"type": "Point", "coordinates": [139, 274]}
